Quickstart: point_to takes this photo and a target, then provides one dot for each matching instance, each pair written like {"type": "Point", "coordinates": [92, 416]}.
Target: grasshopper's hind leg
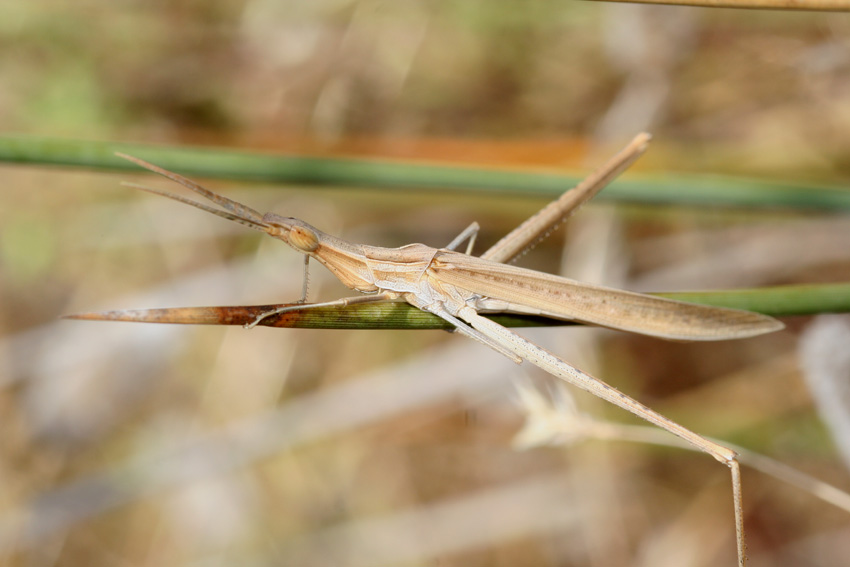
{"type": "Point", "coordinates": [555, 366]}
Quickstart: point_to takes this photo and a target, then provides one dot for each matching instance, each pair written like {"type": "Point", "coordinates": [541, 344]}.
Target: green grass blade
{"type": "Point", "coordinates": [778, 301]}
{"type": "Point", "coordinates": [318, 171]}
{"type": "Point", "coordinates": [774, 301]}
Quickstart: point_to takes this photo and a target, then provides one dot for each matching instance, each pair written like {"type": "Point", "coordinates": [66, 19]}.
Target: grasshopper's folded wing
{"type": "Point", "coordinates": [528, 291]}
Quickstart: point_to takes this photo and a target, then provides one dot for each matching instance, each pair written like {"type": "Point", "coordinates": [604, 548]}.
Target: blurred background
{"type": "Point", "coordinates": [131, 444]}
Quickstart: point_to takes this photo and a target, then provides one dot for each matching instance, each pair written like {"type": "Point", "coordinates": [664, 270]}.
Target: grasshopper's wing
{"type": "Point", "coordinates": [528, 291]}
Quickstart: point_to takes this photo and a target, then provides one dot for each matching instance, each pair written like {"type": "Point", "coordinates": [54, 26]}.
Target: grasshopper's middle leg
{"type": "Point", "coordinates": [470, 232]}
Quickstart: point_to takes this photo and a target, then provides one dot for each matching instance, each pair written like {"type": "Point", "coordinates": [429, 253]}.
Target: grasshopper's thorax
{"type": "Point", "coordinates": [398, 269]}
{"type": "Point", "coordinates": [364, 268]}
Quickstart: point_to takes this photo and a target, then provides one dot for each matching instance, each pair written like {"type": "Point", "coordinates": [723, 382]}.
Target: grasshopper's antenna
{"type": "Point", "coordinates": [249, 222]}
{"type": "Point", "coordinates": [238, 209]}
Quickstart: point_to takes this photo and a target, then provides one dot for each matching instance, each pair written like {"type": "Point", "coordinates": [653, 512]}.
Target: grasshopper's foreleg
{"type": "Point", "coordinates": [306, 285]}
{"type": "Point", "coordinates": [544, 359]}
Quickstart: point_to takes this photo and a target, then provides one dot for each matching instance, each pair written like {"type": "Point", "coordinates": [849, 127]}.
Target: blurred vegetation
{"type": "Point", "coordinates": [141, 444]}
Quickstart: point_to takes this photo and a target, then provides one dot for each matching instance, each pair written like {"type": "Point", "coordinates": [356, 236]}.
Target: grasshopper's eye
{"type": "Point", "coordinates": [303, 239]}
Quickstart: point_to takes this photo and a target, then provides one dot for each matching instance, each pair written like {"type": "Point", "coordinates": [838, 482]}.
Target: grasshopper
{"type": "Point", "coordinates": [457, 287]}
